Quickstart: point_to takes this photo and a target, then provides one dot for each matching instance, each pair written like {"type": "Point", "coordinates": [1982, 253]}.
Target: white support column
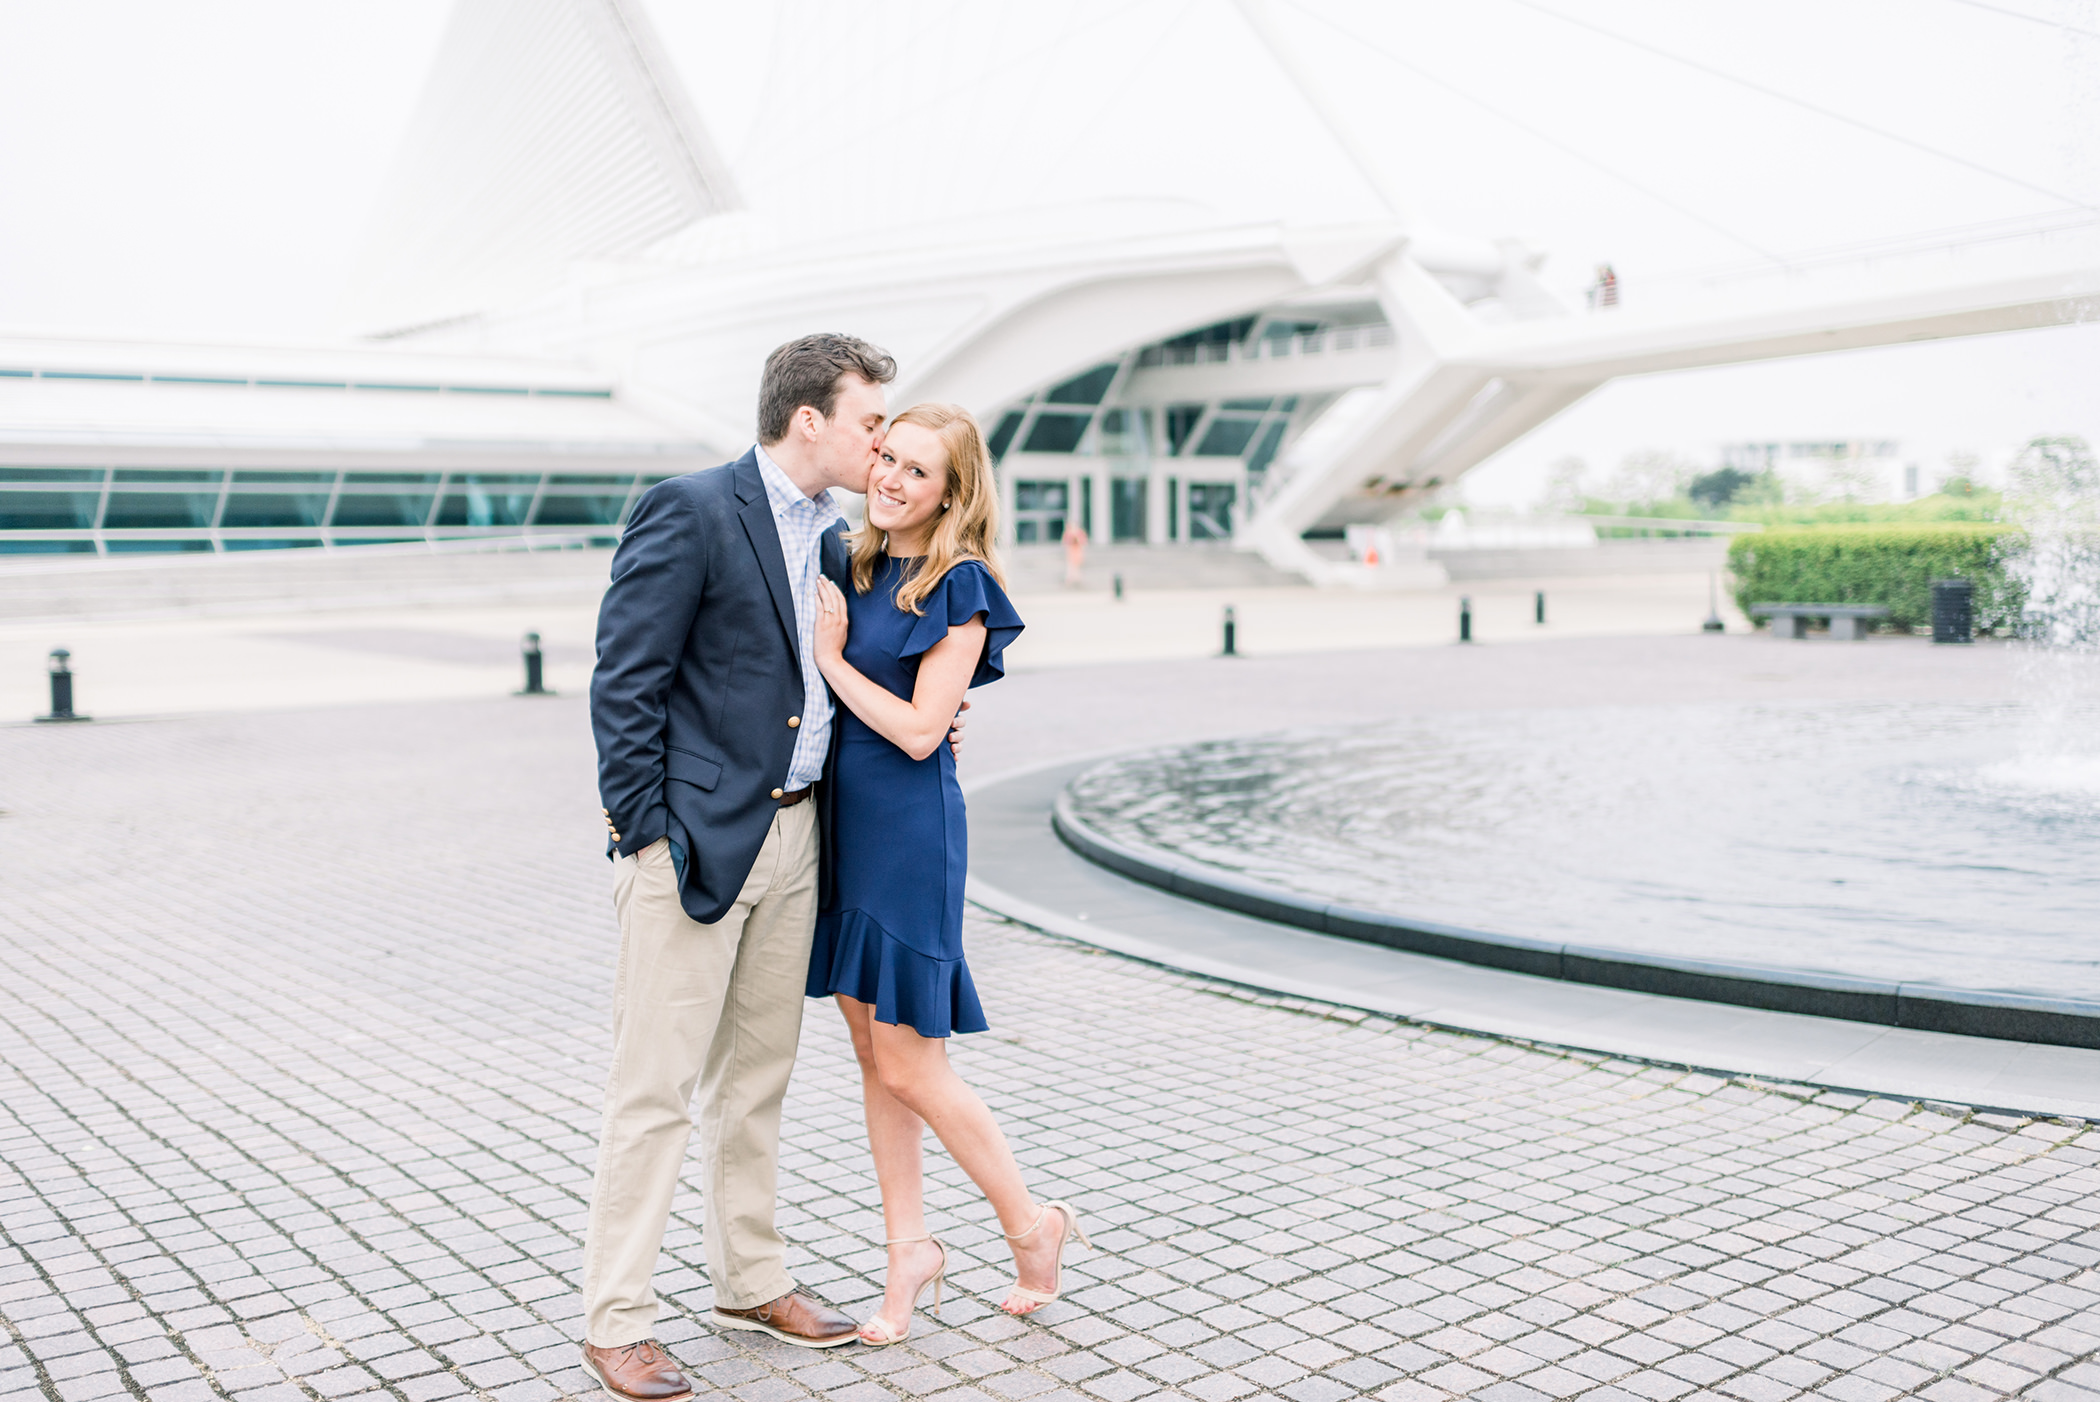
{"type": "Point", "coordinates": [1156, 502]}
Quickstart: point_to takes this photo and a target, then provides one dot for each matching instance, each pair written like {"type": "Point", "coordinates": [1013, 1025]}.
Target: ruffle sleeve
{"type": "Point", "coordinates": [967, 591]}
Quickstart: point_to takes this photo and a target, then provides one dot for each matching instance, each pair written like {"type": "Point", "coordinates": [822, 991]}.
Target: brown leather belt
{"type": "Point", "coordinates": [789, 800]}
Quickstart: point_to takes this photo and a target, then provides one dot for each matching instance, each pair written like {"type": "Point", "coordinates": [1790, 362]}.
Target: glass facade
{"type": "Point", "coordinates": [1132, 450]}
{"type": "Point", "coordinates": [1210, 510]}
{"type": "Point", "coordinates": [125, 510]}
{"type": "Point", "coordinates": [1039, 510]}
{"type": "Point", "coordinates": [1126, 508]}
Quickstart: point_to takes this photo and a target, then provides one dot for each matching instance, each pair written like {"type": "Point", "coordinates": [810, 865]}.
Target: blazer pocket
{"type": "Point", "coordinates": [689, 768]}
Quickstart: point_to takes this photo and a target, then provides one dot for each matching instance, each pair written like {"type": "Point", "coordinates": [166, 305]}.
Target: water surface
{"type": "Point", "coordinates": [1924, 843]}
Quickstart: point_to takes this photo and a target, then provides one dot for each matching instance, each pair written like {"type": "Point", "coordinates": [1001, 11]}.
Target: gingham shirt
{"type": "Point", "coordinates": [802, 521]}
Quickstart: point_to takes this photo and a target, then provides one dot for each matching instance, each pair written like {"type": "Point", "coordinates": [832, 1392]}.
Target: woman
{"type": "Point", "coordinates": [927, 621]}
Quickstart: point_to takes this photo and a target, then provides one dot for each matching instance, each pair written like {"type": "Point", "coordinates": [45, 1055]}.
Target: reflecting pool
{"type": "Point", "coordinates": [1939, 843]}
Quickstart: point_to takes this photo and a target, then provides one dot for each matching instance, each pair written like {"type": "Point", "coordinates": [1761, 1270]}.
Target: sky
{"type": "Point", "coordinates": [207, 170]}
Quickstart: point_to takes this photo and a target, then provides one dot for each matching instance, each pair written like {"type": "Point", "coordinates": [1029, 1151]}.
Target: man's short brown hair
{"type": "Point", "coordinates": [807, 371]}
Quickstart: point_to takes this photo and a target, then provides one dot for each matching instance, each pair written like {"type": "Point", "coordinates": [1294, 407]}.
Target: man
{"type": "Point", "coordinates": [713, 727]}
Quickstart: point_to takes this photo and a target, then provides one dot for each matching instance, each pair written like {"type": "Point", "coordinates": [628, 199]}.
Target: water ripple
{"type": "Point", "coordinates": [1924, 843]}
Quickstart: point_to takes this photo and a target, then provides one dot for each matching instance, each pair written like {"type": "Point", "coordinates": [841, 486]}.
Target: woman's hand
{"type": "Point", "coordinates": [831, 623]}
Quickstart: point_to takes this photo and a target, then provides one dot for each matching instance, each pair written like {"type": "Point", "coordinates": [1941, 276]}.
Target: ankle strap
{"type": "Point", "coordinates": [907, 1240]}
{"type": "Point", "coordinates": [1043, 1212]}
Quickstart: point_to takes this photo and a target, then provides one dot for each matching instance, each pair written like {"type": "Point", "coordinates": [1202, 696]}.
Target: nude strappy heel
{"type": "Point", "coordinates": [1072, 1229]}
{"type": "Point", "coordinates": [892, 1336]}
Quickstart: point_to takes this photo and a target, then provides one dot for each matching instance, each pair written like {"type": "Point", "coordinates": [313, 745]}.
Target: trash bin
{"type": "Point", "coordinates": [1953, 611]}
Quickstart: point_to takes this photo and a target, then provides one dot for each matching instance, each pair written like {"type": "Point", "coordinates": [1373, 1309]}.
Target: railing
{"type": "Point", "coordinates": [1338, 340]}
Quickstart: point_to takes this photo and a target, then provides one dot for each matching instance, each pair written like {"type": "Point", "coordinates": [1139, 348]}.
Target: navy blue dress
{"type": "Point", "coordinates": [892, 934]}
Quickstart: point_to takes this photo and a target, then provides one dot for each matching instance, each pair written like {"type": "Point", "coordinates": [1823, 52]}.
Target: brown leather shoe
{"type": "Point", "coordinates": [639, 1372]}
{"type": "Point", "coordinates": [794, 1318]}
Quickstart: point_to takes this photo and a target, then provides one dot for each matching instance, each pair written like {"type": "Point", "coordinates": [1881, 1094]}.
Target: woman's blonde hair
{"type": "Point", "coordinates": [965, 530]}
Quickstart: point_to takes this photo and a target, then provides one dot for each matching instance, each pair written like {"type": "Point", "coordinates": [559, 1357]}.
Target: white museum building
{"type": "Point", "coordinates": [566, 295]}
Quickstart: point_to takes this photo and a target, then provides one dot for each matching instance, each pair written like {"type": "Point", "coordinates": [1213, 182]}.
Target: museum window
{"type": "Point", "coordinates": [248, 509]}
{"type": "Point", "coordinates": [1265, 451]}
{"type": "Point", "coordinates": [53, 474]}
{"type": "Point", "coordinates": [1040, 508]}
{"type": "Point", "coordinates": [1210, 510]}
{"type": "Point", "coordinates": [489, 499]}
{"type": "Point", "coordinates": [484, 508]}
{"type": "Point", "coordinates": [377, 509]}
{"type": "Point", "coordinates": [1181, 421]}
{"type": "Point", "coordinates": [1003, 435]}
{"type": "Point", "coordinates": [283, 479]}
{"type": "Point", "coordinates": [48, 511]}
{"type": "Point", "coordinates": [1227, 437]}
{"type": "Point", "coordinates": [1056, 433]}
{"type": "Point", "coordinates": [1123, 433]}
{"type": "Point", "coordinates": [373, 499]}
{"type": "Point", "coordinates": [1126, 508]}
{"type": "Point", "coordinates": [134, 511]}
{"type": "Point", "coordinates": [1089, 388]}
{"type": "Point", "coordinates": [580, 509]}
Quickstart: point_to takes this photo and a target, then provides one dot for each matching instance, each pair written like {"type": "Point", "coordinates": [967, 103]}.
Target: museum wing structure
{"type": "Point", "coordinates": [566, 295]}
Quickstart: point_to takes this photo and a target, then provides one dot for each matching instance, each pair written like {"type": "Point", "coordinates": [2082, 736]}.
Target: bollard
{"type": "Point", "coordinates": [535, 665]}
{"type": "Point", "coordinates": [1119, 588]}
{"type": "Point", "coordinates": [1538, 607]}
{"type": "Point", "coordinates": [1465, 618]}
{"type": "Point", "coordinates": [1713, 622]}
{"type": "Point", "coordinates": [1953, 611]}
{"type": "Point", "coordinates": [1231, 642]}
{"type": "Point", "coordinates": [61, 688]}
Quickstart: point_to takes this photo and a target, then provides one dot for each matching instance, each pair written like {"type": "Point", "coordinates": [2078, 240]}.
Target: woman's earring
{"type": "Point", "coordinates": [946, 504]}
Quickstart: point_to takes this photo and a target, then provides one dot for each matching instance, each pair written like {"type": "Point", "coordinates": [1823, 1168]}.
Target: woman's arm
{"type": "Point", "coordinates": [920, 725]}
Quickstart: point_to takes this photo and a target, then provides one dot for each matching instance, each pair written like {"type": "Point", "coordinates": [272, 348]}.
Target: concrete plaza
{"type": "Point", "coordinates": [303, 1026]}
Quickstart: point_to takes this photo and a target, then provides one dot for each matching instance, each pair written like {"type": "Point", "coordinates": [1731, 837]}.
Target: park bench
{"type": "Point", "coordinates": [1846, 620]}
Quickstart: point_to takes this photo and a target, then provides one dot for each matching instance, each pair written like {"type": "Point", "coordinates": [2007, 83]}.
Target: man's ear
{"type": "Point", "coordinates": [809, 421]}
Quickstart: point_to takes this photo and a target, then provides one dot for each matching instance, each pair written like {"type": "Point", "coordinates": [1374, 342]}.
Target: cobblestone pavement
{"type": "Point", "coordinates": [302, 1029]}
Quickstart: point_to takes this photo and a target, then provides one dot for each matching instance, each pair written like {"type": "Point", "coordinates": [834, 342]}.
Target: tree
{"type": "Point", "coordinates": [1717, 490]}
{"type": "Point", "coordinates": [1650, 475]}
{"type": "Point", "coordinates": [1565, 489]}
{"type": "Point", "coordinates": [1960, 479]}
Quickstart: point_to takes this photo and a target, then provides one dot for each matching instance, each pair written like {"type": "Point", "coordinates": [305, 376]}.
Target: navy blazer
{"type": "Point", "coordinates": [698, 675]}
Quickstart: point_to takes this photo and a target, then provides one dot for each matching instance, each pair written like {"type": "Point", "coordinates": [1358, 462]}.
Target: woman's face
{"type": "Point", "coordinates": [908, 485]}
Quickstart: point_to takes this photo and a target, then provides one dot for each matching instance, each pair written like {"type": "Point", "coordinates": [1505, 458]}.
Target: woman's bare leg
{"type": "Point", "coordinates": [894, 1135]}
{"type": "Point", "coordinates": [915, 1076]}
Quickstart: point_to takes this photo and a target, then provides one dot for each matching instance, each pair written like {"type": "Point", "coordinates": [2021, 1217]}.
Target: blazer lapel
{"type": "Point", "coordinates": [757, 517]}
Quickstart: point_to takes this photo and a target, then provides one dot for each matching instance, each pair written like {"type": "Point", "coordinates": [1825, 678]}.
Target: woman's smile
{"type": "Point", "coordinates": [907, 488]}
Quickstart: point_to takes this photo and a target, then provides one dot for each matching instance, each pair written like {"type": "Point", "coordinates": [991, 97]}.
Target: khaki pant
{"type": "Point", "coordinates": [719, 1006]}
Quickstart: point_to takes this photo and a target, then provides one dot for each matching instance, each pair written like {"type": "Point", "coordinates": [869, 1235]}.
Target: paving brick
{"type": "Point", "coordinates": [235, 1140]}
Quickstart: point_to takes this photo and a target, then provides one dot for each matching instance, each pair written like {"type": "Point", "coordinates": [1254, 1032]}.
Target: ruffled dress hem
{"type": "Point", "coordinates": [852, 954]}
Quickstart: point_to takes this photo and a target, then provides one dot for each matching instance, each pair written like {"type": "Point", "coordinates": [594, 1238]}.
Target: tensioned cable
{"type": "Point", "coordinates": [1556, 143]}
{"type": "Point", "coordinates": [2031, 19]}
{"type": "Point", "coordinates": [1803, 103]}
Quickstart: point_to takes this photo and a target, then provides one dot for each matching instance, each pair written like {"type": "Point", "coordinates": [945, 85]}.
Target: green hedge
{"type": "Point", "coordinates": [1878, 564]}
